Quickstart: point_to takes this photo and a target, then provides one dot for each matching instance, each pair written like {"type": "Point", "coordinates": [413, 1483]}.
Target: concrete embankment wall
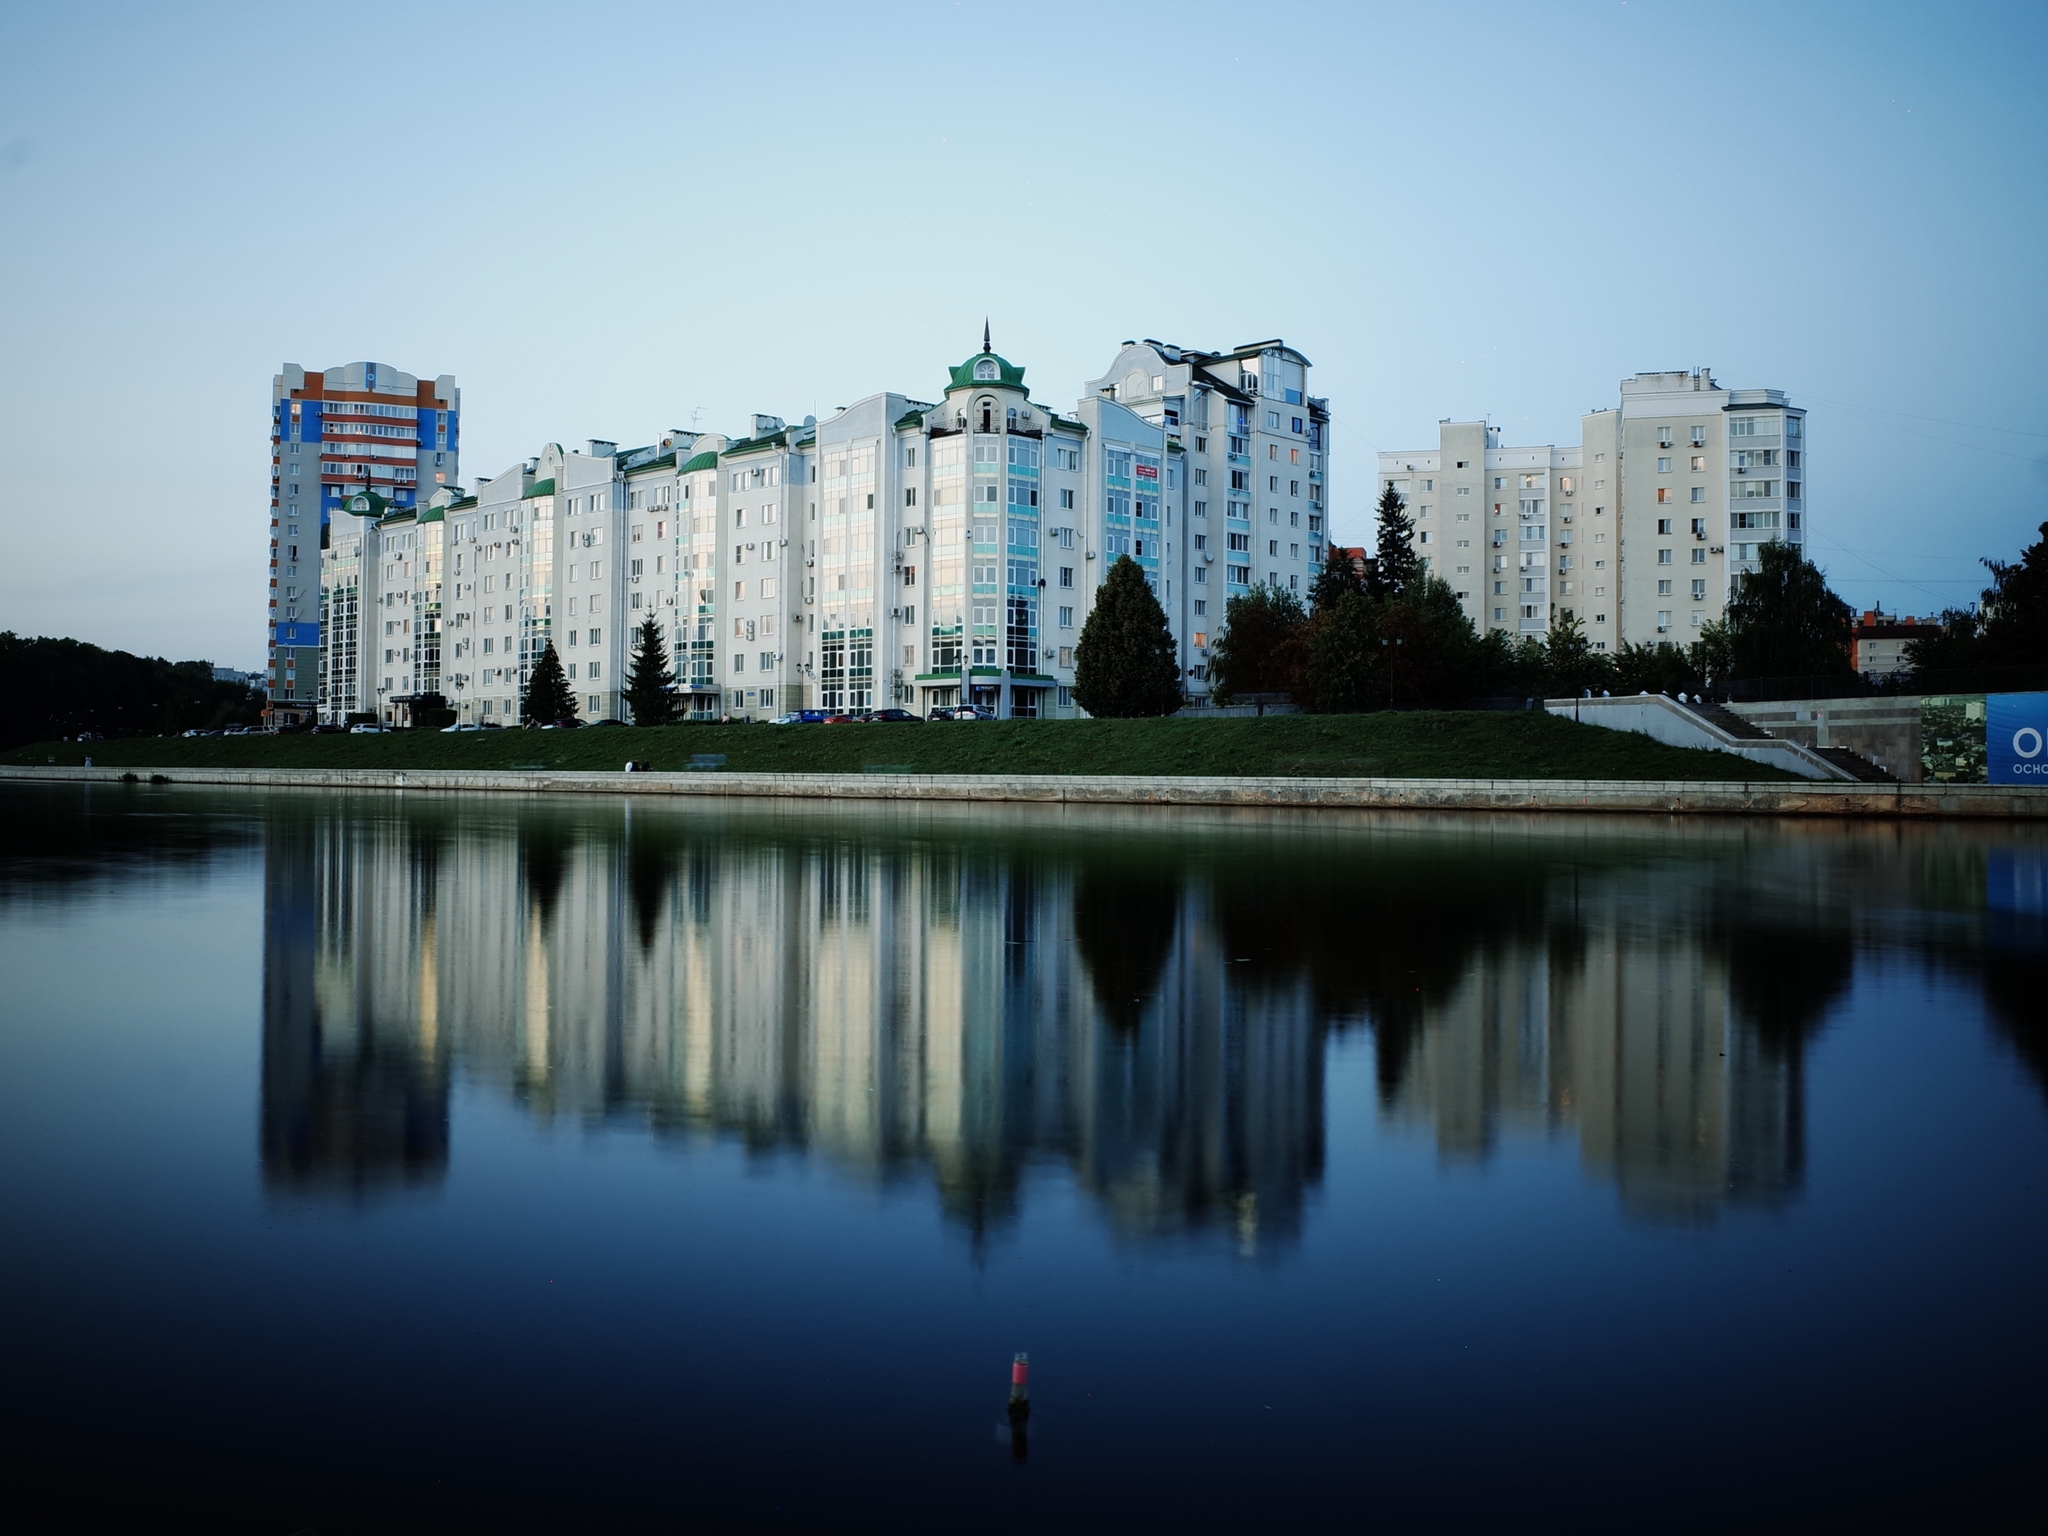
{"type": "Point", "coordinates": [1912, 801]}
{"type": "Point", "coordinates": [1670, 722]}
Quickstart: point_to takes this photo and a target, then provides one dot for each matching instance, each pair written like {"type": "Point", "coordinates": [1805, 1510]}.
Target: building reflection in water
{"type": "Point", "coordinates": [1145, 1002]}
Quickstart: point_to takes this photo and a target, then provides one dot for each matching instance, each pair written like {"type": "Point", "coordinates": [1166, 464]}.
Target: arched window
{"type": "Point", "coordinates": [1013, 418]}
{"type": "Point", "coordinates": [985, 369]}
{"type": "Point", "coordinates": [988, 411]}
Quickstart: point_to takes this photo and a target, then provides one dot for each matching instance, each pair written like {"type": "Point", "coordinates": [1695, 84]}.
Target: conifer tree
{"type": "Point", "coordinates": [1126, 665]}
{"type": "Point", "coordinates": [650, 685]}
{"type": "Point", "coordinates": [547, 698]}
{"type": "Point", "coordinates": [1397, 563]}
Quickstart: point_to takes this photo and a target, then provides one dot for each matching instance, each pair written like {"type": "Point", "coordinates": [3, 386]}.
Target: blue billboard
{"type": "Point", "coordinates": [2016, 738]}
{"type": "Point", "coordinates": [296, 634]}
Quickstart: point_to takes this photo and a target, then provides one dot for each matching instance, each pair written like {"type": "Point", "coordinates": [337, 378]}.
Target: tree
{"type": "Point", "coordinates": [547, 697]}
{"type": "Point", "coordinates": [1262, 646]}
{"type": "Point", "coordinates": [2012, 627]}
{"type": "Point", "coordinates": [1784, 622]}
{"type": "Point", "coordinates": [1127, 665]}
{"type": "Point", "coordinates": [1339, 578]}
{"type": "Point", "coordinates": [1343, 672]}
{"type": "Point", "coordinates": [1397, 563]}
{"type": "Point", "coordinates": [1572, 663]}
{"type": "Point", "coordinates": [650, 685]}
{"type": "Point", "coordinates": [1659, 668]}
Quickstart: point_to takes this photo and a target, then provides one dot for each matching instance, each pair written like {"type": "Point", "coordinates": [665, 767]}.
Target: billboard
{"type": "Point", "coordinates": [1952, 738]}
{"type": "Point", "coordinates": [296, 634]}
{"type": "Point", "coordinates": [2016, 738]}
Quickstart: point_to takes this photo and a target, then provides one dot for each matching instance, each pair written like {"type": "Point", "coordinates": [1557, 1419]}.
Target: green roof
{"type": "Point", "coordinates": [1006, 373]}
{"type": "Point", "coordinates": [702, 461]}
{"type": "Point", "coordinates": [662, 462]}
{"type": "Point", "coordinates": [431, 515]}
{"type": "Point", "coordinates": [910, 421]}
{"type": "Point", "coordinates": [542, 488]}
{"type": "Point", "coordinates": [373, 505]}
{"type": "Point", "coordinates": [463, 505]}
{"type": "Point", "coordinates": [758, 444]}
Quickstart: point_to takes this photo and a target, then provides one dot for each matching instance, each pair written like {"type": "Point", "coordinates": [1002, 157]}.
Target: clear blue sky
{"type": "Point", "coordinates": [610, 219]}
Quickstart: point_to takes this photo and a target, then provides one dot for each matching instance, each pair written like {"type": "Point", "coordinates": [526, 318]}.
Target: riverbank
{"type": "Point", "coordinates": [1794, 797]}
{"type": "Point", "coordinates": [1433, 745]}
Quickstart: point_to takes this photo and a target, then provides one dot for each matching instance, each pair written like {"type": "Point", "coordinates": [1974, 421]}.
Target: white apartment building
{"type": "Point", "coordinates": [1640, 531]}
{"type": "Point", "coordinates": [900, 552]}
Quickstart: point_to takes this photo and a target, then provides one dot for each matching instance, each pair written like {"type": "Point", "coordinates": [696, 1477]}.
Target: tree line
{"type": "Point", "coordinates": [1389, 634]}
{"type": "Point", "coordinates": [57, 688]}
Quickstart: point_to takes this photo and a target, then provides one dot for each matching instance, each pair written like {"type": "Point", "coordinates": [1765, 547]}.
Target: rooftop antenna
{"type": "Point", "coordinates": [984, 335]}
{"type": "Point", "coordinates": [695, 412]}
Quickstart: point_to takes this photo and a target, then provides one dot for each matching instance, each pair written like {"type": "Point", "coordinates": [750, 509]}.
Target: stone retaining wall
{"type": "Point", "coordinates": [1953, 801]}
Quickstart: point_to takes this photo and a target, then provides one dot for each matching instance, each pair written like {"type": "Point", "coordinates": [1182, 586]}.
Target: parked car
{"type": "Point", "coordinates": [844, 718]}
{"type": "Point", "coordinates": [963, 712]}
{"type": "Point", "coordinates": [895, 717]}
{"type": "Point", "coordinates": [366, 730]}
{"type": "Point", "coordinates": [449, 730]}
{"type": "Point", "coordinates": [607, 722]}
{"type": "Point", "coordinates": [328, 730]}
{"type": "Point", "coordinates": [802, 717]}
{"type": "Point", "coordinates": [571, 724]}
{"type": "Point", "coordinates": [239, 730]}
{"type": "Point", "coordinates": [490, 725]}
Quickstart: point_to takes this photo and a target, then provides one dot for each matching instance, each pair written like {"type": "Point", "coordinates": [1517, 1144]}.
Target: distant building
{"type": "Point", "coordinates": [1640, 531]}
{"type": "Point", "coordinates": [361, 428]}
{"type": "Point", "coordinates": [246, 679]}
{"type": "Point", "coordinates": [1880, 642]}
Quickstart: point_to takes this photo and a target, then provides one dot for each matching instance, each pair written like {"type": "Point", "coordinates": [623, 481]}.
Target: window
{"type": "Point", "coordinates": [1699, 493]}
{"type": "Point", "coordinates": [1201, 607]}
{"type": "Point", "coordinates": [1699, 555]}
{"type": "Point", "coordinates": [1201, 509]}
{"type": "Point", "coordinates": [1663, 493]}
{"type": "Point", "coordinates": [1663, 557]}
{"type": "Point", "coordinates": [1664, 464]}
{"type": "Point", "coordinates": [1066, 575]}
{"type": "Point", "coordinates": [1272, 421]}
{"type": "Point", "coordinates": [1699, 591]}
{"type": "Point", "coordinates": [1663, 589]}
{"type": "Point", "coordinates": [1273, 548]}
{"type": "Point", "coordinates": [1066, 618]}
{"type": "Point", "coordinates": [1273, 483]}
{"type": "Point", "coordinates": [1663, 525]}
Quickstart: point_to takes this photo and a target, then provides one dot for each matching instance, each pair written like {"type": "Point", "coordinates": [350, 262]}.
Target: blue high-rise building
{"type": "Point", "coordinates": [362, 427]}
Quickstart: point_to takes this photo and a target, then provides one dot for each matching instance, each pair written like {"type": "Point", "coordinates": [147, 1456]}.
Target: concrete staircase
{"type": "Point", "coordinates": [1849, 762]}
{"type": "Point", "coordinates": [1861, 769]}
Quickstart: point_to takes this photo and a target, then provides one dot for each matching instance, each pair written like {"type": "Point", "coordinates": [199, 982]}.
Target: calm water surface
{"type": "Point", "coordinates": [471, 1163]}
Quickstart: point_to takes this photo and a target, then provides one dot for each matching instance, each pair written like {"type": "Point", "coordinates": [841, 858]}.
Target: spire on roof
{"type": "Point", "coordinates": [984, 335]}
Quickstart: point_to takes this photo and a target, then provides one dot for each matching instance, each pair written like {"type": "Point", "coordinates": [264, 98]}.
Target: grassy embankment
{"type": "Point", "coordinates": [1434, 745]}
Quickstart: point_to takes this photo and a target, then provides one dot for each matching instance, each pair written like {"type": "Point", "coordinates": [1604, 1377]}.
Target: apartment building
{"type": "Point", "coordinates": [899, 552]}
{"type": "Point", "coordinates": [360, 429]}
{"type": "Point", "coordinates": [1640, 530]}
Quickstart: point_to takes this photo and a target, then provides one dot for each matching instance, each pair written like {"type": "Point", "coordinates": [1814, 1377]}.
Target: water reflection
{"type": "Point", "coordinates": [1145, 1001]}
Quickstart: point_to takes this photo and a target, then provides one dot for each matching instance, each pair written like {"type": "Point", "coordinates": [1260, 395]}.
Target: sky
{"type": "Point", "coordinates": [606, 220]}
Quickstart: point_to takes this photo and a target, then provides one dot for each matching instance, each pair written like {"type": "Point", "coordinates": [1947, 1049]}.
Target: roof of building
{"type": "Point", "coordinates": [541, 488]}
{"type": "Point", "coordinates": [706, 460]}
{"type": "Point", "coordinates": [367, 504]}
{"type": "Point", "coordinates": [757, 444]}
{"type": "Point", "coordinates": [1007, 373]}
{"type": "Point", "coordinates": [664, 462]}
